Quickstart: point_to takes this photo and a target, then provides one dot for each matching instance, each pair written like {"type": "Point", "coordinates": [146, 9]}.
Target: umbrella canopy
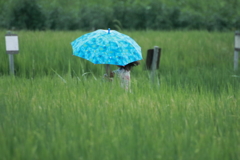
{"type": "Point", "coordinates": [107, 47]}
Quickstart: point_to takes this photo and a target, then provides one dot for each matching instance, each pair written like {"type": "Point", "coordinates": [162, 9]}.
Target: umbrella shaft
{"type": "Point", "coordinates": [107, 66]}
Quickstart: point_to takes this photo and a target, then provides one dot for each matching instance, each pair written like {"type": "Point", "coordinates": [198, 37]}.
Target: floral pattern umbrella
{"type": "Point", "coordinates": [107, 47]}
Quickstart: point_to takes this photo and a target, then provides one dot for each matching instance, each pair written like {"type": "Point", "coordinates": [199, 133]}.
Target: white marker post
{"type": "Point", "coordinates": [11, 49]}
{"type": "Point", "coordinates": [236, 50]}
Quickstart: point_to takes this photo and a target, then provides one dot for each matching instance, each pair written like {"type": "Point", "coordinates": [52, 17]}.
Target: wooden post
{"type": "Point", "coordinates": [149, 58]}
{"type": "Point", "coordinates": [154, 62]}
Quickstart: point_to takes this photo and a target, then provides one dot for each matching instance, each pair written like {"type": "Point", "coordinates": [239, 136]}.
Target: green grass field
{"type": "Point", "coordinates": [59, 107]}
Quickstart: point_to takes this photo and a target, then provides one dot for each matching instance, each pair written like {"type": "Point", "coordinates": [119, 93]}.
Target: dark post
{"type": "Point", "coordinates": [153, 60]}
{"type": "Point", "coordinates": [150, 58]}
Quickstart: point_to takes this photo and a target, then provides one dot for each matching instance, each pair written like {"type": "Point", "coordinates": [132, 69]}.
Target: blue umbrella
{"type": "Point", "coordinates": [107, 47]}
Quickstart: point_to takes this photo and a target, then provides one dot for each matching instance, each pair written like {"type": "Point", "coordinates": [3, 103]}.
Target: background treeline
{"type": "Point", "coordinates": [220, 15]}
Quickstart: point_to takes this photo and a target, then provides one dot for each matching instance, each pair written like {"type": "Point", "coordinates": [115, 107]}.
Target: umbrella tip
{"type": "Point", "coordinates": [108, 30]}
